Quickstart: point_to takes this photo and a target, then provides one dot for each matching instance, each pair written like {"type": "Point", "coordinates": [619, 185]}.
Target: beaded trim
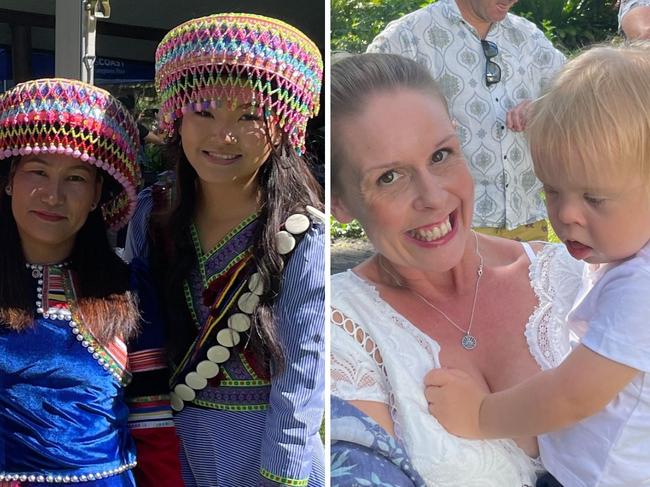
{"type": "Point", "coordinates": [238, 323]}
{"type": "Point", "coordinates": [209, 59]}
{"type": "Point", "coordinates": [230, 407]}
{"type": "Point", "coordinates": [283, 480]}
{"type": "Point", "coordinates": [61, 116]}
{"type": "Point", "coordinates": [244, 383]}
{"type": "Point", "coordinates": [56, 284]}
{"type": "Point", "coordinates": [51, 478]}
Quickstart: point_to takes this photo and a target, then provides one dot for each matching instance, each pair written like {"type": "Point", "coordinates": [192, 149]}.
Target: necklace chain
{"type": "Point", "coordinates": [468, 341]}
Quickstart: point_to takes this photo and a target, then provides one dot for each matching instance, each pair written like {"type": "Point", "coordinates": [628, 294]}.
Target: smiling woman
{"type": "Point", "coordinates": [52, 195]}
{"type": "Point", "coordinates": [435, 294]}
{"type": "Point", "coordinates": [68, 308]}
{"type": "Point", "coordinates": [227, 145]}
{"type": "Point", "coordinates": [240, 253]}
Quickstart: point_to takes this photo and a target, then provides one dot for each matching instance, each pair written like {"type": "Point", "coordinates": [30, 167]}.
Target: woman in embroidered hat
{"type": "Point", "coordinates": [240, 255]}
{"type": "Point", "coordinates": [67, 171]}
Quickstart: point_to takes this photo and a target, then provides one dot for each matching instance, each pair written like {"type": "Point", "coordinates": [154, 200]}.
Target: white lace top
{"type": "Point", "coordinates": [363, 325]}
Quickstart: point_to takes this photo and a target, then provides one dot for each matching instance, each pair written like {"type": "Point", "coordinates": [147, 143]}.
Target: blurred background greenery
{"type": "Point", "coordinates": [569, 24]}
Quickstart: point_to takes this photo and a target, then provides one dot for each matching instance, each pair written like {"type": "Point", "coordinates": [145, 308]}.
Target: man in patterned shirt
{"type": "Point", "coordinates": [490, 65]}
{"type": "Point", "coordinates": [634, 19]}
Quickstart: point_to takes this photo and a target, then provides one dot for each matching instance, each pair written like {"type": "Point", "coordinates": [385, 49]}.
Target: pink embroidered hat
{"type": "Point", "coordinates": [80, 120]}
{"type": "Point", "coordinates": [225, 57]}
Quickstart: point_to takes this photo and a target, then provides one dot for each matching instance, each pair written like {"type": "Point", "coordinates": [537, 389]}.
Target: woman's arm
{"type": "Point", "coordinates": [297, 393]}
{"type": "Point", "coordinates": [363, 453]}
{"type": "Point", "coordinates": [150, 415]}
{"type": "Point", "coordinates": [377, 411]}
{"type": "Point", "coordinates": [355, 374]}
{"type": "Point", "coordinates": [137, 241]}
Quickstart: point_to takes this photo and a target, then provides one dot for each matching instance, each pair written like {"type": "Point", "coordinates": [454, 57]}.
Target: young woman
{"type": "Point", "coordinates": [67, 308]}
{"type": "Point", "coordinates": [240, 257]}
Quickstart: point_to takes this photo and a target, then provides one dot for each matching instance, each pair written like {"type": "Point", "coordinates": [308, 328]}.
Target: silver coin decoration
{"type": "Point", "coordinates": [218, 354]}
{"type": "Point", "coordinates": [255, 284]}
{"type": "Point", "coordinates": [228, 338]}
{"type": "Point", "coordinates": [248, 302]}
{"type": "Point", "coordinates": [239, 322]}
{"type": "Point", "coordinates": [207, 369]}
{"type": "Point", "coordinates": [185, 392]}
{"type": "Point", "coordinates": [176, 401]}
{"type": "Point", "coordinates": [297, 224]}
{"type": "Point", "coordinates": [195, 381]}
{"type": "Point", "coordinates": [284, 242]}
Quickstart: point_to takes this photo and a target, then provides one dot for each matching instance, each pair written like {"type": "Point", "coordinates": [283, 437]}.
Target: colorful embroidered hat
{"type": "Point", "coordinates": [80, 120]}
{"type": "Point", "coordinates": [225, 56]}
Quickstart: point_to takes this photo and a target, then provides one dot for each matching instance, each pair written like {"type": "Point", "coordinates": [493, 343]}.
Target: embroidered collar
{"type": "Point", "coordinates": [56, 300]}
{"type": "Point", "coordinates": [235, 296]}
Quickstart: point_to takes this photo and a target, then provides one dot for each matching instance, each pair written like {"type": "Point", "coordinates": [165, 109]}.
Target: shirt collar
{"type": "Point", "coordinates": [452, 13]}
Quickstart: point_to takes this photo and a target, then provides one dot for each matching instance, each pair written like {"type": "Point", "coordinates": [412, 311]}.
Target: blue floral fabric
{"type": "Point", "coordinates": [364, 454]}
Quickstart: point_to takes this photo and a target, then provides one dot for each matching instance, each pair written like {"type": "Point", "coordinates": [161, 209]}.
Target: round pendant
{"type": "Point", "coordinates": [468, 342]}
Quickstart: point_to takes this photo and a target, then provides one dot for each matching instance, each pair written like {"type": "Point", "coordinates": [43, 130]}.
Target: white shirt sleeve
{"type": "Point", "coordinates": [355, 375]}
{"type": "Point", "coordinates": [617, 314]}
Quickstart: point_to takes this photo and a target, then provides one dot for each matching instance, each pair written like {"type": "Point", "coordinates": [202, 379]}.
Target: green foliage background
{"type": "Point", "coordinates": [569, 24]}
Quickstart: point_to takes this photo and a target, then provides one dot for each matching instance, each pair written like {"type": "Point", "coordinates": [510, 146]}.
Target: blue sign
{"type": "Point", "coordinates": [107, 70]}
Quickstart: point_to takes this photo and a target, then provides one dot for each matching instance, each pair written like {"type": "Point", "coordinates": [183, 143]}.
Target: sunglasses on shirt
{"type": "Point", "coordinates": [492, 69]}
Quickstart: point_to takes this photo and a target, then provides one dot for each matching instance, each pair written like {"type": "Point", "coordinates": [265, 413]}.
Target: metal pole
{"type": "Point", "coordinates": [76, 30]}
{"type": "Point", "coordinates": [89, 30]}
{"type": "Point", "coordinates": [67, 44]}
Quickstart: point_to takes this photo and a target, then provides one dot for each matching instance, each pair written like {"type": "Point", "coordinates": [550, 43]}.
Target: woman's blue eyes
{"type": "Point", "coordinates": [389, 177]}
{"type": "Point", "coordinates": [441, 155]}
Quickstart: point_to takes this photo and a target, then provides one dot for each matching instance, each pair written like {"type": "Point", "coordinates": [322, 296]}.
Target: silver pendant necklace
{"type": "Point", "coordinates": [468, 341]}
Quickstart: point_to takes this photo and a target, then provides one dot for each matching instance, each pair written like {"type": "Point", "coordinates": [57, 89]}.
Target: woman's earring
{"type": "Point", "coordinates": [8, 189]}
{"type": "Point", "coordinates": [93, 206]}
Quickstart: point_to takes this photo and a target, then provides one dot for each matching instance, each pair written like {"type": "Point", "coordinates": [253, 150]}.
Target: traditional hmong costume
{"type": "Point", "coordinates": [239, 424]}
{"type": "Point", "coordinates": [63, 413]}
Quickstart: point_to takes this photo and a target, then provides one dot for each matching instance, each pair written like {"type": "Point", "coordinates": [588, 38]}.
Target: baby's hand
{"type": "Point", "coordinates": [455, 400]}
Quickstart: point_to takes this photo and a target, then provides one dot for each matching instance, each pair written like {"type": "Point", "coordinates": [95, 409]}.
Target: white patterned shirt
{"type": "Point", "coordinates": [507, 193]}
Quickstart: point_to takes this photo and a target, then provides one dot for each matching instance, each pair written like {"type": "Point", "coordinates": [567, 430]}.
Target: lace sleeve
{"type": "Point", "coordinates": [555, 277]}
{"type": "Point", "coordinates": [355, 363]}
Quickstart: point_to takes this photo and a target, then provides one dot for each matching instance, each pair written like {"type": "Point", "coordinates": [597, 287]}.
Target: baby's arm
{"type": "Point", "coordinates": [579, 387]}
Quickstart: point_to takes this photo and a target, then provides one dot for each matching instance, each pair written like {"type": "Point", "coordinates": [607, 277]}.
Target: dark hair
{"type": "Point", "coordinates": [102, 278]}
{"type": "Point", "coordinates": [287, 185]}
{"type": "Point", "coordinates": [128, 101]}
{"type": "Point", "coordinates": [354, 78]}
